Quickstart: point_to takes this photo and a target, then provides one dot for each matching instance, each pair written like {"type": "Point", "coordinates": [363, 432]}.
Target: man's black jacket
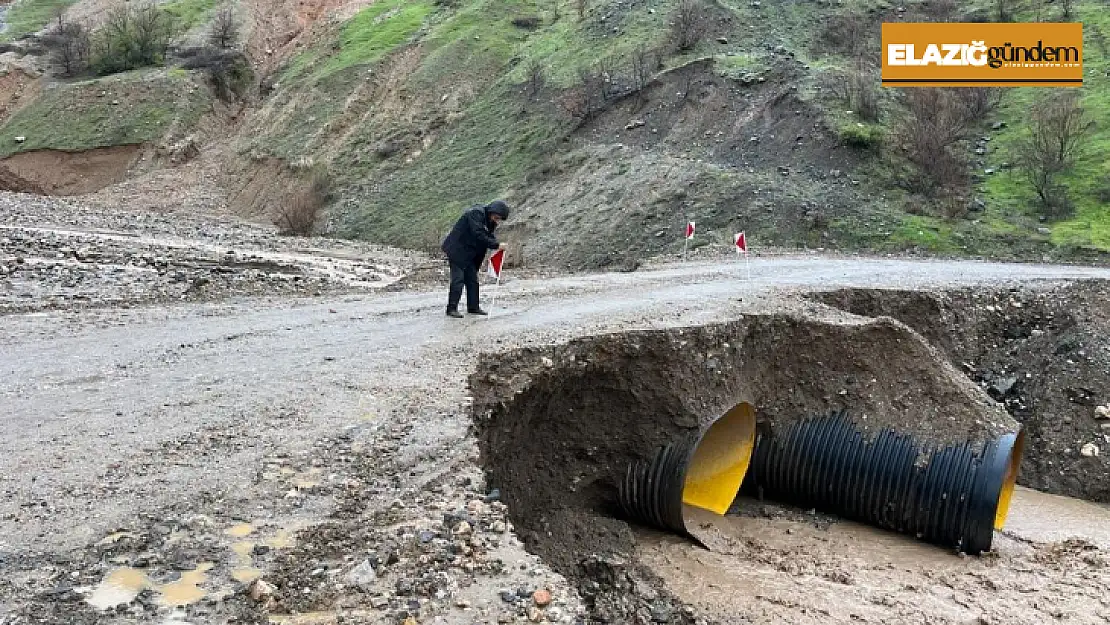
{"type": "Point", "coordinates": [470, 238]}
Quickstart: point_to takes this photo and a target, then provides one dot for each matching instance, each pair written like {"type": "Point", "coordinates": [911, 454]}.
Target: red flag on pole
{"type": "Point", "coordinates": [495, 261]}
{"type": "Point", "coordinates": [741, 243]}
{"type": "Point", "coordinates": [690, 230]}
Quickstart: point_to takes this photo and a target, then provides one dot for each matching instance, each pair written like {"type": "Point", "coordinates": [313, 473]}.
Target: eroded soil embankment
{"type": "Point", "coordinates": [1043, 352]}
{"type": "Point", "coordinates": [558, 425]}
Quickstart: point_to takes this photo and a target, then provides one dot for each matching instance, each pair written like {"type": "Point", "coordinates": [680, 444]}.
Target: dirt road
{"type": "Point", "coordinates": [144, 437]}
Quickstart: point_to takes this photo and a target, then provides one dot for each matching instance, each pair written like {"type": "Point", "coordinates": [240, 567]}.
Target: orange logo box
{"type": "Point", "coordinates": [974, 55]}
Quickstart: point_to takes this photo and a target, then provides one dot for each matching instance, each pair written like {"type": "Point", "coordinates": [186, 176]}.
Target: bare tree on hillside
{"type": "Point", "coordinates": [689, 25]}
{"type": "Point", "coordinates": [535, 77]}
{"type": "Point", "coordinates": [932, 123]}
{"type": "Point", "coordinates": [643, 63]}
{"type": "Point", "coordinates": [584, 99]}
{"type": "Point", "coordinates": [69, 45]}
{"type": "Point", "coordinates": [978, 102]}
{"type": "Point", "coordinates": [1054, 141]}
{"type": "Point", "coordinates": [1067, 7]}
{"type": "Point", "coordinates": [224, 32]}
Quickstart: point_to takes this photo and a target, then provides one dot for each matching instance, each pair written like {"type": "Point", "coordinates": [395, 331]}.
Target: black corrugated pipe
{"type": "Point", "coordinates": [703, 470]}
{"type": "Point", "coordinates": [956, 498]}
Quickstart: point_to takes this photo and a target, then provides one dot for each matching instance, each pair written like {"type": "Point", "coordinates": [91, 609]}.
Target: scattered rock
{"type": "Point", "coordinates": [1090, 450]}
{"type": "Point", "coordinates": [636, 123]}
{"type": "Point", "coordinates": [535, 615]}
{"type": "Point", "coordinates": [20, 139]}
{"type": "Point", "coordinates": [542, 597]}
{"type": "Point", "coordinates": [363, 575]}
{"type": "Point", "coordinates": [1102, 413]}
{"type": "Point", "coordinates": [260, 590]}
{"type": "Point", "coordinates": [722, 40]}
{"type": "Point", "coordinates": [998, 125]}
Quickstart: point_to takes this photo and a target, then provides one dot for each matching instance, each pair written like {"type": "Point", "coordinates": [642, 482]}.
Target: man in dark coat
{"type": "Point", "coordinates": [466, 247]}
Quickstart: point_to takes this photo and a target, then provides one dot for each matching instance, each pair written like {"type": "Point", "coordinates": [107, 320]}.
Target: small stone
{"type": "Point", "coordinates": [508, 596]}
{"type": "Point", "coordinates": [998, 125]}
{"type": "Point", "coordinates": [498, 527]}
{"type": "Point", "coordinates": [462, 603]}
{"type": "Point", "coordinates": [1044, 231]}
{"type": "Point", "coordinates": [542, 597]}
{"type": "Point", "coordinates": [378, 602]}
{"type": "Point", "coordinates": [362, 575]}
{"type": "Point", "coordinates": [1102, 413]}
{"type": "Point", "coordinates": [260, 590]}
{"type": "Point", "coordinates": [722, 40]}
{"type": "Point", "coordinates": [535, 615]}
{"type": "Point", "coordinates": [1090, 450]}
{"type": "Point", "coordinates": [554, 615]}
{"type": "Point", "coordinates": [20, 139]}
{"type": "Point", "coordinates": [988, 171]}
{"type": "Point", "coordinates": [494, 495]}
{"type": "Point", "coordinates": [463, 529]}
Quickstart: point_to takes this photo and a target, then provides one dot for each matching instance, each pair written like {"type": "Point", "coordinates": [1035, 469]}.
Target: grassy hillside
{"type": "Point", "coordinates": [420, 109]}
{"type": "Point", "coordinates": [132, 108]}
{"type": "Point", "coordinates": [30, 16]}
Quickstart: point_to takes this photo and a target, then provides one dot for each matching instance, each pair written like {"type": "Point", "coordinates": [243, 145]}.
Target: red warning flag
{"type": "Point", "coordinates": [741, 243]}
{"type": "Point", "coordinates": [690, 230]}
{"type": "Point", "coordinates": [495, 261]}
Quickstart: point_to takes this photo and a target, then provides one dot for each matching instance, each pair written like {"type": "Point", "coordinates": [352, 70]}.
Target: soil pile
{"type": "Point", "coordinates": [1043, 352]}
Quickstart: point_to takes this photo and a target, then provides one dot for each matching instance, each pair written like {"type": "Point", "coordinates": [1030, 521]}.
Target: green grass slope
{"type": "Point", "coordinates": [419, 109]}
{"type": "Point", "coordinates": [132, 108]}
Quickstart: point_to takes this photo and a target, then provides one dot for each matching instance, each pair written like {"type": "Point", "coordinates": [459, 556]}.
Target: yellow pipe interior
{"type": "Point", "coordinates": [721, 460]}
{"type": "Point", "coordinates": [1009, 482]}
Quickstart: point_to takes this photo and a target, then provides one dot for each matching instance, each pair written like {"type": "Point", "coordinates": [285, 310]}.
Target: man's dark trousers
{"type": "Point", "coordinates": [465, 275]}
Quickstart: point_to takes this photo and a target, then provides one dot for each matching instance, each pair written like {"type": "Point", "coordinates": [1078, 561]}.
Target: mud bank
{"type": "Point", "coordinates": [1043, 352]}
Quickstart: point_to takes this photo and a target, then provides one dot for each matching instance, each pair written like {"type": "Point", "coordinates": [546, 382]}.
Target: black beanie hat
{"type": "Point", "coordinates": [497, 207]}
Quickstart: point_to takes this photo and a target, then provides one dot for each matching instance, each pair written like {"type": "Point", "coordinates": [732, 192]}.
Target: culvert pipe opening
{"type": "Point", "coordinates": [703, 470]}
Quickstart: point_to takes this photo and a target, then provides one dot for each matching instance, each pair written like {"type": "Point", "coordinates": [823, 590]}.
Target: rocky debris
{"type": "Point", "coordinates": [261, 590]}
{"type": "Point", "coordinates": [1102, 413]}
{"type": "Point", "coordinates": [1089, 450]}
{"type": "Point", "coordinates": [58, 254]}
{"type": "Point", "coordinates": [363, 575]}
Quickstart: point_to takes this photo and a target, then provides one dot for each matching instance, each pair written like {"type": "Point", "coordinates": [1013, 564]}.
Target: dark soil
{"type": "Point", "coordinates": [1044, 352]}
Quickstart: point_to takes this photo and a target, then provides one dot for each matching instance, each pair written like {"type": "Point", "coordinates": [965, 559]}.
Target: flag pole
{"type": "Point", "coordinates": [685, 244]}
{"type": "Point", "coordinates": [748, 265]}
{"type": "Point", "coordinates": [493, 300]}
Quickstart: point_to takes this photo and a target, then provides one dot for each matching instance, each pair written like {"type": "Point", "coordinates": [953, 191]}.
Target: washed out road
{"type": "Point", "coordinates": [112, 418]}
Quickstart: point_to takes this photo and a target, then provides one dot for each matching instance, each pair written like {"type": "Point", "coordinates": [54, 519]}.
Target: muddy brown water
{"type": "Point", "coordinates": [1049, 565]}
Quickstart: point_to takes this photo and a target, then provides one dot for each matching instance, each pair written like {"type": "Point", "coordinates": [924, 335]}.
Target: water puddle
{"type": "Point", "coordinates": [1041, 517]}
{"type": "Point", "coordinates": [187, 589]}
{"type": "Point", "coordinates": [788, 568]}
{"type": "Point", "coordinates": [318, 618]}
{"type": "Point", "coordinates": [241, 530]}
{"type": "Point", "coordinates": [123, 585]}
{"type": "Point", "coordinates": [120, 587]}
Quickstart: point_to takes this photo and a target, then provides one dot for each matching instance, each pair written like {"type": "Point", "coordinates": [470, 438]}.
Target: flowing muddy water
{"type": "Point", "coordinates": [1049, 565]}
